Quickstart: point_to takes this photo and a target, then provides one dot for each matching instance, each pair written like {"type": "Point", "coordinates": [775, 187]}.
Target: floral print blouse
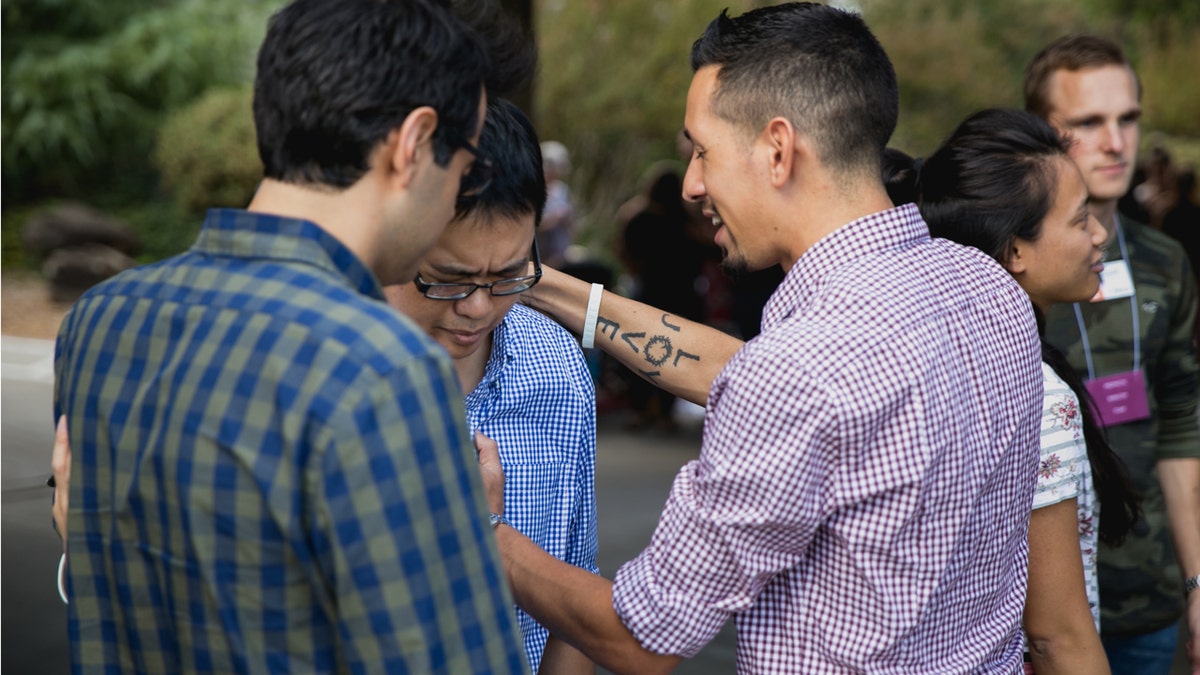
{"type": "Point", "coordinates": [1064, 473]}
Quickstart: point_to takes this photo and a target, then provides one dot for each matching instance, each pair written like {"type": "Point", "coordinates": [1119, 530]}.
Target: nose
{"type": "Point", "coordinates": [1099, 234]}
{"type": "Point", "coordinates": [476, 305]}
{"type": "Point", "coordinates": [1113, 140]}
{"type": "Point", "coordinates": [693, 182]}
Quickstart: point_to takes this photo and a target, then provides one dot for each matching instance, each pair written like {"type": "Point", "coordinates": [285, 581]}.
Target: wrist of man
{"type": "Point", "coordinates": [1191, 584]}
{"type": "Point", "coordinates": [498, 519]}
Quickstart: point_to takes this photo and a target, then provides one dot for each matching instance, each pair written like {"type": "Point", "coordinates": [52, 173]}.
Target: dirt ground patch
{"type": "Point", "coordinates": [26, 309]}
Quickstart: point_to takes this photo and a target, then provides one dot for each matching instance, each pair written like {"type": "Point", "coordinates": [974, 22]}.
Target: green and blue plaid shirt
{"type": "Point", "coordinates": [271, 471]}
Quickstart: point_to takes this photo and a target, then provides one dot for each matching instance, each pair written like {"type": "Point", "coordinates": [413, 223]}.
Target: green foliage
{"type": "Point", "coordinates": [612, 87]}
{"type": "Point", "coordinates": [206, 152]}
{"type": "Point", "coordinates": [615, 74]}
{"type": "Point", "coordinates": [86, 83]}
{"type": "Point", "coordinates": [952, 59]}
{"type": "Point", "coordinates": [1166, 60]}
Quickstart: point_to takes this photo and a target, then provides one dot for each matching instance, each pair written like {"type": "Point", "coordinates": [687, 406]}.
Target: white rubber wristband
{"type": "Point", "coordinates": [62, 587]}
{"type": "Point", "coordinates": [593, 312]}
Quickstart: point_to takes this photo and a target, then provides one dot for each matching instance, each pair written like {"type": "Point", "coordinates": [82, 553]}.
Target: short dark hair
{"type": "Point", "coordinates": [818, 66]}
{"type": "Point", "coordinates": [1072, 53]}
{"type": "Point", "coordinates": [334, 78]}
{"type": "Point", "coordinates": [518, 188]}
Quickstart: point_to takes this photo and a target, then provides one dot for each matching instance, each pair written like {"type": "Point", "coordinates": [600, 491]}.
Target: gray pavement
{"type": "Point", "coordinates": [34, 620]}
{"type": "Point", "coordinates": [634, 472]}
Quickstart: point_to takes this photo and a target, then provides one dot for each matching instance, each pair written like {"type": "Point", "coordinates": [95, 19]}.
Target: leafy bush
{"type": "Point", "coordinates": [206, 153]}
{"type": "Point", "coordinates": [86, 84]}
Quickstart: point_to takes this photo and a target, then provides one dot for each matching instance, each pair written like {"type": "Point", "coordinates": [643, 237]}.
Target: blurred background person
{"type": "Point", "coordinates": [1182, 221]}
{"type": "Point", "coordinates": [558, 220]}
{"type": "Point", "coordinates": [660, 245]}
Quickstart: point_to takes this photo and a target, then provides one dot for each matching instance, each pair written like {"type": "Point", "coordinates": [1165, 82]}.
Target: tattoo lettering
{"type": "Point", "coordinates": [603, 324]}
{"type": "Point", "coordinates": [627, 338]}
{"type": "Point", "coordinates": [658, 350]}
{"type": "Point", "coordinates": [684, 355]}
{"type": "Point", "coordinates": [670, 325]}
{"type": "Point", "coordinates": [650, 374]}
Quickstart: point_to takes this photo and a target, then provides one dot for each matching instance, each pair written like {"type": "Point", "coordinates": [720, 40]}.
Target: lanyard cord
{"type": "Point", "coordinates": [1137, 335]}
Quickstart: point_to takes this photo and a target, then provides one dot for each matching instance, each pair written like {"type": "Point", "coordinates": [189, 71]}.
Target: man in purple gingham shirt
{"type": "Point", "coordinates": [862, 497]}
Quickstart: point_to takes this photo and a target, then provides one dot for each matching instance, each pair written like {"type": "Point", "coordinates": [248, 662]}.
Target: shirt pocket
{"type": "Point", "coordinates": [539, 498]}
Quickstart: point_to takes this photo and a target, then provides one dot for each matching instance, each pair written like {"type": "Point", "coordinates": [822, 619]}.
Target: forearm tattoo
{"type": "Point", "coordinates": [656, 349]}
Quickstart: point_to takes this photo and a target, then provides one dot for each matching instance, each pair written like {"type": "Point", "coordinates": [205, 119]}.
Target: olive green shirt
{"type": "Point", "coordinates": [1141, 586]}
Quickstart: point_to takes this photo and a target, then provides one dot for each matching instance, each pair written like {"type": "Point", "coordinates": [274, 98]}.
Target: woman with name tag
{"type": "Point", "coordinates": [1003, 183]}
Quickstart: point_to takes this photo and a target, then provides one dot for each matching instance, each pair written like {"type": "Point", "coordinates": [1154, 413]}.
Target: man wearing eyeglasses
{"type": "Point", "coordinates": [527, 385]}
{"type": "Point", "coordinates": [272, 473]}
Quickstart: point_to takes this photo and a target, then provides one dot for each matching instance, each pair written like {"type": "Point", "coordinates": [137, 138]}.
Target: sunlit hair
{"type": "Point", "coordinates": [1070, 53]}
{"type": "Point", "coordinates": [334, 78]}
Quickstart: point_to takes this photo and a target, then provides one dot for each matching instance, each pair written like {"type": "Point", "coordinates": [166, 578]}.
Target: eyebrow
{"type": "Point", "coordinates": [687, 134]}
{"type": "Point", "coordinates": [456, 270]}
{"type": "Point", "coordinates": [1132, 114]}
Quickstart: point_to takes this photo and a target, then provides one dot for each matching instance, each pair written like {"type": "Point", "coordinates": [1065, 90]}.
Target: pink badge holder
{"type": "Point", "coordinates": [1120, 398]}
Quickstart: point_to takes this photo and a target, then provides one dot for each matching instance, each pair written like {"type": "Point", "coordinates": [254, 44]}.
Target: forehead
{"type": "Point", "coordinates": [483, 235]}
{"type": "Point", "coordinates": [698, 115]}
{"type": "Point", "coordinates": [1105, 90]}
{"type": "Point", "coordinates": [1070, 190]}
{"type": "Point", "coordinates": [703, 126]}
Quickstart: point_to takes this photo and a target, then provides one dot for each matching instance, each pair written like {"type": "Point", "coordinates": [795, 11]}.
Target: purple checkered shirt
{"type": "Point", "coordinates": [862, 497]}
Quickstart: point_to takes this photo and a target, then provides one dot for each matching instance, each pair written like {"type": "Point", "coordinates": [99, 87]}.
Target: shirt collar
{"type": "Point", "coordinates": [259, 235]}
{"type": "Point", "coordinates": [896, 227]}
{"type": "Point", "coordinates": [504, 351]}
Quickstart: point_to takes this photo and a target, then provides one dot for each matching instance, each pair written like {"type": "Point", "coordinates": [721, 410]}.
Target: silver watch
{"type": "Point", "coordinates": [497, 520]}
{"type": "Point", "coordinates": [1190, 584]}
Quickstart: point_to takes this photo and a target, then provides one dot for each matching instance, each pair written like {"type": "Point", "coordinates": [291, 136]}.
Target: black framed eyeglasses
{"type": "Point", "coordinates": [481, 174]}
{"type": "Point", "coordinates": [502, 287]}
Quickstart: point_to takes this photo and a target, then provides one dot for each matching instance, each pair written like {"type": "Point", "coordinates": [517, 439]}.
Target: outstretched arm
{"type": "Point", "coordinates": [678, 355]}
{"type": "Point", "coordinates": [576, 605]}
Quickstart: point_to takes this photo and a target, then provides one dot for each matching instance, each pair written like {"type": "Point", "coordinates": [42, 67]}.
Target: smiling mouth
{"type": "Point", "coordinates": [711, 214]}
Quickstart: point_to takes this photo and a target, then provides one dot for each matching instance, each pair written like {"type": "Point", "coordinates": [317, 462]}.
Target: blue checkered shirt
{"type": "Point", "coordinates": [271, 471]}
{"type": "Point", "coordinates": [537, 401]}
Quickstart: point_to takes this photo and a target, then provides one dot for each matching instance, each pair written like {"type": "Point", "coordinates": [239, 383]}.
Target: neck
{"type": "Point", "coordinates": [470, 369]}
{"type": "Point", "coordinates": [343, 213]}
{"type": "Point", "coordinates": [833, 207]}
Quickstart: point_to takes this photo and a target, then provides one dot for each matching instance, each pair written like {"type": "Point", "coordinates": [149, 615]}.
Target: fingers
{"type": "Point", "coordinates": [60, 465]}
{"type": "Point", "coordinates": [486, 449]}
{"type": "Point", "coordinates": [491, 472]}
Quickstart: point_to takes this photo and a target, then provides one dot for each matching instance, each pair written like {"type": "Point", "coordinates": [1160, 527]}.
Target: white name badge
{"type": "Point", "coordinates": [1115, 282]}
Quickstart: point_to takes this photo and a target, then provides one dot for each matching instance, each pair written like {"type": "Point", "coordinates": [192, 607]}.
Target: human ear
{"type": "Point", "coordinates": [410, 144]}
{"type": "Point", "coordinates": [1015, 264]}
{"type": "Point", "coordinates": [782, 144]}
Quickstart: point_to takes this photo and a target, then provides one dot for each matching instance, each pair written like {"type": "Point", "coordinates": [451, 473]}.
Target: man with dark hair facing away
{"type": "Point", "coordinates": [272, 473]}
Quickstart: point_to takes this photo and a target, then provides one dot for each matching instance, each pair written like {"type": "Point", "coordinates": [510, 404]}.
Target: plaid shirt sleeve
{"type": "Point", "coordinates": [396, 532]}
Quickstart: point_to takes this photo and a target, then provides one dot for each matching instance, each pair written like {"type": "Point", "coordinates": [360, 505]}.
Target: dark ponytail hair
{"type": "Point", "coordinates": [990, 183]}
